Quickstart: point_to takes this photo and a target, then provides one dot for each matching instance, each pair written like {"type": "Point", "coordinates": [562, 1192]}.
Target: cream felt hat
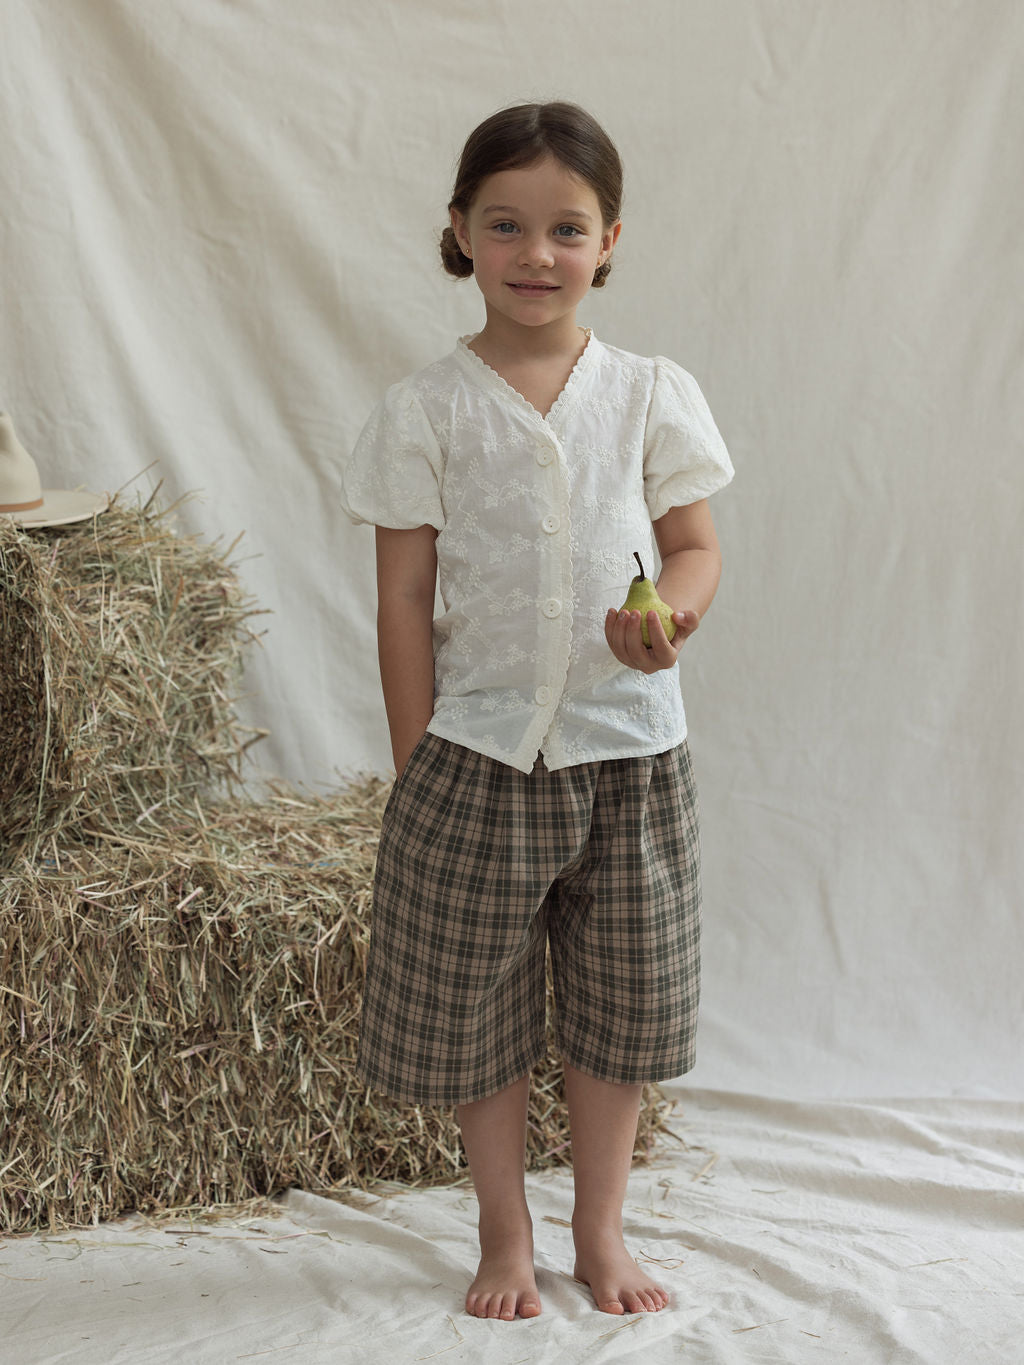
{"type": "Point", "coordinates": [22, 495]}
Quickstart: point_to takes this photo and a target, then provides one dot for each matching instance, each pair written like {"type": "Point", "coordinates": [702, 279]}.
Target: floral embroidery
{"type": "Point", "coordinates": [537, 520]}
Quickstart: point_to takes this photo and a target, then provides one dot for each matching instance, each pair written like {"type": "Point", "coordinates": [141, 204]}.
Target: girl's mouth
{"type": "Point", "coordinates": [532, 287]}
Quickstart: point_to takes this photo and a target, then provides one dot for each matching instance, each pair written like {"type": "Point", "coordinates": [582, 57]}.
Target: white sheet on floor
{"type": "Point", "coordinates": [785, 1232]}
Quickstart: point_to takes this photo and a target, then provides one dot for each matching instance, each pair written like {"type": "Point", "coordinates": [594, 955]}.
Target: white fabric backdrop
{"type": "Point", "coordinates": [218, 227]}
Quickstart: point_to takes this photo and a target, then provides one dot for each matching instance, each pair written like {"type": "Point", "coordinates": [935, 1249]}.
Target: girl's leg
{"type": "Point", "coordinates": [494, 1136]}
{"type": "Point", "coordinates": [603, 1119]}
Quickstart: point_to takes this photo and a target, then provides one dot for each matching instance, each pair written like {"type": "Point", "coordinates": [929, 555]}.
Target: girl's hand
{"type": "Point", "coordinates": [623, 633]}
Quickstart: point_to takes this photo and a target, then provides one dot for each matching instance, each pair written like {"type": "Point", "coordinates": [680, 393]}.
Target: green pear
{"type": "Point", "coordinates": [643, 597]}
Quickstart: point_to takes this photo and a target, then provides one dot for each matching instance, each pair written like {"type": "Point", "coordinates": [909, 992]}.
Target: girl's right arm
{"type": "Point", "coordinates": [406, 581]}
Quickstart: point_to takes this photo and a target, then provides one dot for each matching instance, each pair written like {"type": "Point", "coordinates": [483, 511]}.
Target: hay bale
{"type": "Point", "coordinates": [120, 646]}
{"type": "Point", "coordinates": [179, 981]}
{"type": "Point", "coordinates": [178, 1020]}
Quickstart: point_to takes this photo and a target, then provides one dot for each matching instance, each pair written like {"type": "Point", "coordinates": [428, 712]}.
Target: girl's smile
{"type": "Point", "coordinates": [532, 287]}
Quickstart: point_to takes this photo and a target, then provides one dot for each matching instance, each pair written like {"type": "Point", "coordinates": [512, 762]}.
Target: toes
{"type": "Point", "coordinates": [610, 1306]}
{"type": "Point", "coordinates": [633, 1301]}
{"type": "Point", "coordinates": [502, 1306]}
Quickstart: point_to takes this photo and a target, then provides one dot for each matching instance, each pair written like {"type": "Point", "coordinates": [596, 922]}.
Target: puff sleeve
{"type": "Point", "coordinates": [394, 475]}
{"type": "Point", "coordinates": [685, 458]}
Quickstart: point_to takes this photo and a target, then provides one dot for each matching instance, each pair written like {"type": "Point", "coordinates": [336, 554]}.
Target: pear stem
{"type": "Point", "coordinates": [637, 558]}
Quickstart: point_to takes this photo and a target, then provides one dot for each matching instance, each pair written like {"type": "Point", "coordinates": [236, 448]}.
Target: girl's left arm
{"type": "Point", "coordinates": [691, 565]}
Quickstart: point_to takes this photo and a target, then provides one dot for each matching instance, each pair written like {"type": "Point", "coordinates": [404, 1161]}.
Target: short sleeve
{"type": "Point", "coordinates": [685, 458]}
{"type": "Point", "coordinates": [394, 475]}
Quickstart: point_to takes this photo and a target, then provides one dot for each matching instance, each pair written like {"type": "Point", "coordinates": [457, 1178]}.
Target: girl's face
{"type": "Point", "coordinates": [535, 238]}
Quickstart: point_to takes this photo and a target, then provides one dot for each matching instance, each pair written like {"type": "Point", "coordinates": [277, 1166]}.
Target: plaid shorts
{"type": "Point", "coordinates": [480, 867]}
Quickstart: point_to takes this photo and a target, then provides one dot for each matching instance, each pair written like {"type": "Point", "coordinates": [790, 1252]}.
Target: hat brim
{"type": "Point", "coordinates": [60, 507]}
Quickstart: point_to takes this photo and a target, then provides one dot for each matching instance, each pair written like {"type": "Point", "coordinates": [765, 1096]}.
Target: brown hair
{"type": "Point", "coordinates": [522, 135]}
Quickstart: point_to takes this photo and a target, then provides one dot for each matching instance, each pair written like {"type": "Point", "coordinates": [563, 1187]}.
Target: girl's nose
{"type": "Point", "coordinates": [535, 251]}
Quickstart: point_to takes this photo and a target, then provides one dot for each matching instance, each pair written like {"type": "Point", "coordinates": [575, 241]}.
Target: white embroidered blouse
{"type": "Point", "coordinates": [537, 520]}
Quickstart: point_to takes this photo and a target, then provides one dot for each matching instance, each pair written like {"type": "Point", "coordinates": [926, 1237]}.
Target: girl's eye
{"type": "Point", "coordinates": [501, 227]}
{"type": "Point", "coordinates": [569, 230]}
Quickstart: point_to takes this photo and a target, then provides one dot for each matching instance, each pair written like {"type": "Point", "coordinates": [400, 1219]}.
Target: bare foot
{"type": "Point", "coordinates": [505, 1283]}
{"type": "Point", "coordinates": [614, 1278]}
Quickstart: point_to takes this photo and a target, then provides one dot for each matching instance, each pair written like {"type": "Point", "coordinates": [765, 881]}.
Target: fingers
{"type": "Point", "coordinates": [686, 623]}
{"type": "Point", "coordinates": [626, 640]}
{"type": "Point", "coordinates": [663, 651]}
{"type": "Point", "coordinates": [624, 634]}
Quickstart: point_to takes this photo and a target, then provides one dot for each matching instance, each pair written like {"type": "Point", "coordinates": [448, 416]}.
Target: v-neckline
{"type": "Point", "coordinates": [502, 385]}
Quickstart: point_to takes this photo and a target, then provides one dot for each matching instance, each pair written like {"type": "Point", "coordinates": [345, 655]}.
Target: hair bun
{"type": "Point", "coordinates": [453, 258]}
{"type": "Point", "coordinates": [601, 274]}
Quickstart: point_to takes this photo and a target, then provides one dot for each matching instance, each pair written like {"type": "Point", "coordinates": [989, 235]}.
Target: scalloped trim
{"type": "Point", "coordinates": [500, 382]}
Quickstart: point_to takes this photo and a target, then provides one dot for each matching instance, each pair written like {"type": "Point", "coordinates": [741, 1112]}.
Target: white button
{"type": "Point", "coordinates": [552, 608]}
{"type": "Point", "coordinates": [551, 525]}
{"type": "Point", "coordinates": [545, 455]}
{"type": "Point", "coordinates": [542, 696]}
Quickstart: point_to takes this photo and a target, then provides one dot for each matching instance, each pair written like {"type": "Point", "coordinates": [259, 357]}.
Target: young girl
{"type": "Point", "coordinates": [544, 792]}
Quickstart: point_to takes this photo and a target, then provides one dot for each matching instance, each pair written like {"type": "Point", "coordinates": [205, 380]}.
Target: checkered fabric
{"type": "Point", "coordinates": [480, 866]}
